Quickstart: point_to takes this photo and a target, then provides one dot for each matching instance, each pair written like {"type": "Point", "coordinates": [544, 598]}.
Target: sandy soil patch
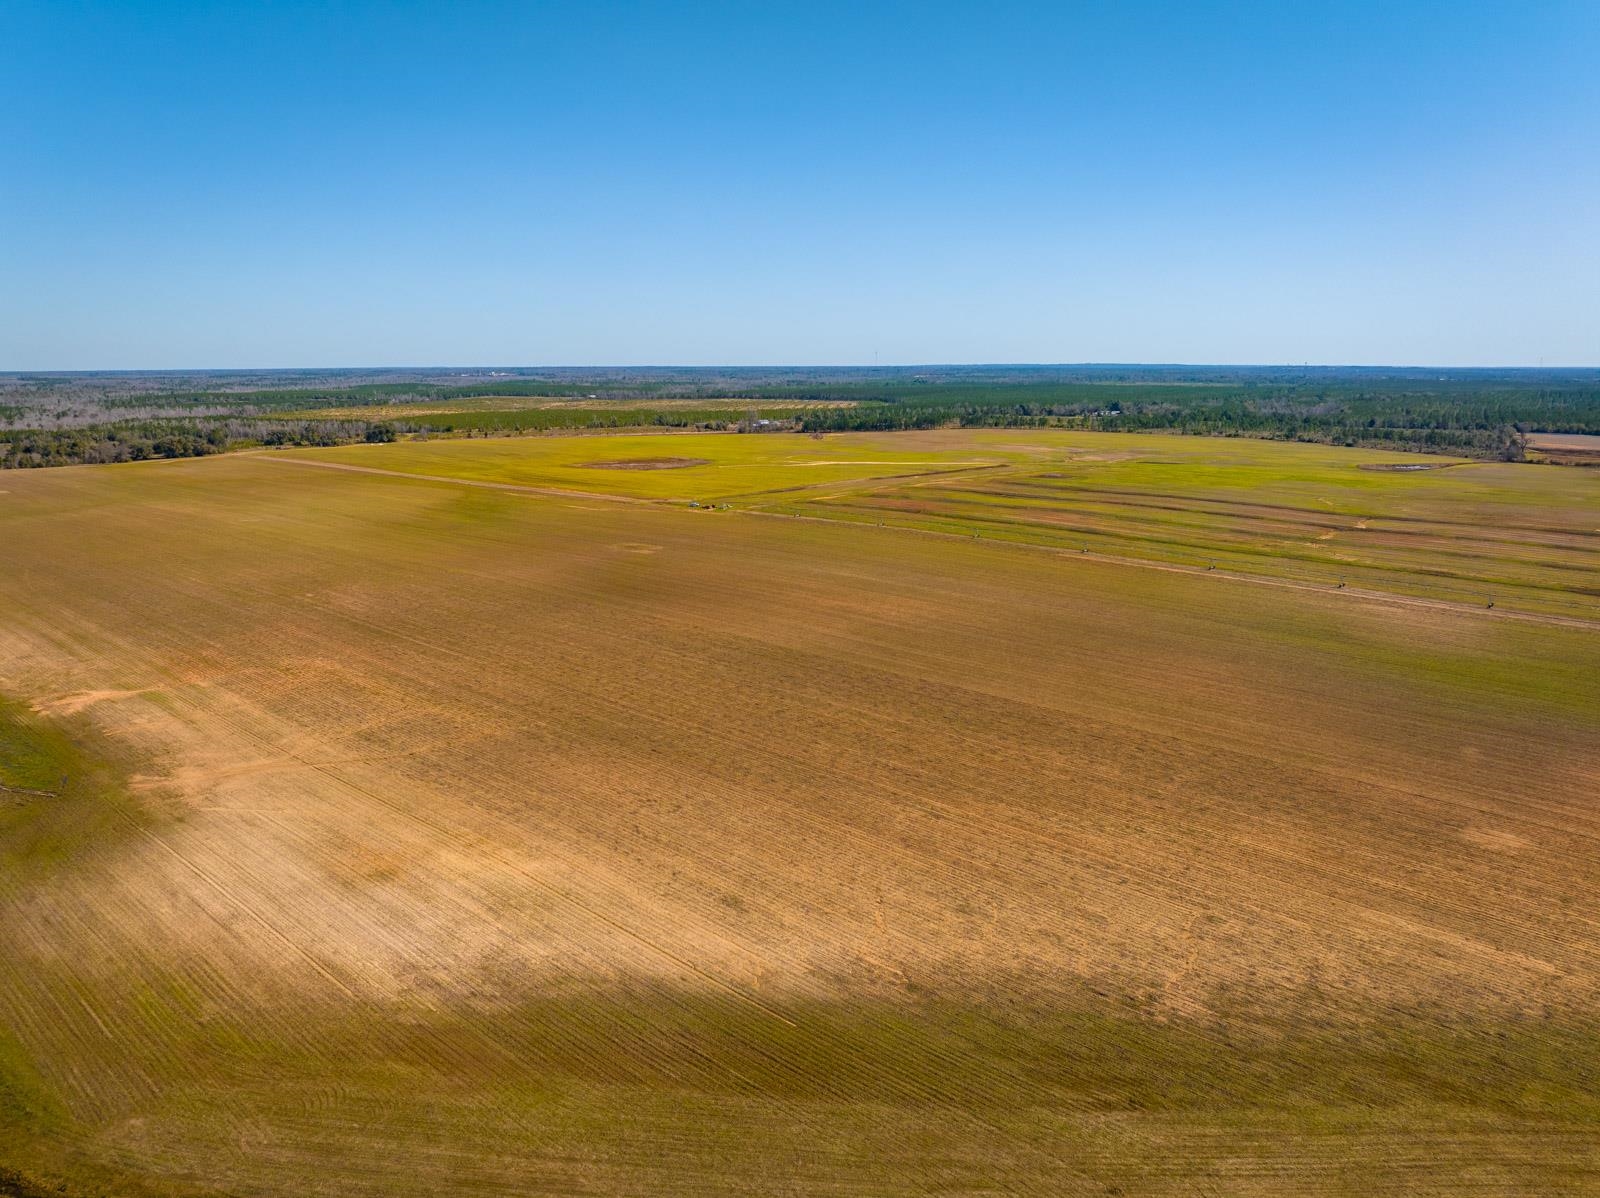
{"type": "Point", "coordinates": [1403, 467]}
{"type": "Point", "coordinates": [73, 704]}
{"type": "Point", "coordinates": [1497, 839]}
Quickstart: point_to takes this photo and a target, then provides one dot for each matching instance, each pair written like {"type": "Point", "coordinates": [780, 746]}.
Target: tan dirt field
{"type": "Point", "coordinates": [1568, 449]}
{"type": "Point", "coordinates": [473, 840]}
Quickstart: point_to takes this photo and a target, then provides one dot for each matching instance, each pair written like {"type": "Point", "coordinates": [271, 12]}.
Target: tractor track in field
{"type": "Point", "coordinates": [856, 486]}
{"type": "Point", "coordinates": [440, 829]}
{"type": "Point", "coordinates": [249, 909]}
{"type": "Point", "coordinates": [1222, 575]}
{"type": "Point", "coordinates": [518, 488]}
{"type": "Point", "coordinates": [1389, 597]}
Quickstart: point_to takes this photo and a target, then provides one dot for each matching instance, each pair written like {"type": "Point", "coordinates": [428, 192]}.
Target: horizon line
{"type": "Point", "coordinates": [883, 366]}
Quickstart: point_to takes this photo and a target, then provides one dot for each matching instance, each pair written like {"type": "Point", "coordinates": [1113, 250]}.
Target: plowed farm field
{"type": "Point", "coordinates": [961, 812]}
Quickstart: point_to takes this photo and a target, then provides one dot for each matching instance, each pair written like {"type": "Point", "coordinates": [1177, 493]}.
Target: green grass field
{"type": "Point", "coordinates": [730, 464]}
{"type": "Point", "coordinates": [460, 817]}
{"type": "Point", "coordinates": [1465, 532]}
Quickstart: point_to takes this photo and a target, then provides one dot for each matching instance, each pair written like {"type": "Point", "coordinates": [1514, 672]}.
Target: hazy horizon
{"type": "Point", "coordinates": [460, 367]}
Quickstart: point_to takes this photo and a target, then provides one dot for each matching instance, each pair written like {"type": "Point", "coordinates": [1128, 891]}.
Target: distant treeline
{"type": "Point", "coordinates": [135, 441]}
{"type": "Point", "coordinates": [597, 418]}
{"type": "Point", "coordinates": [1482, 424]}
{"type": "Point", "coordinates": [1482, 413]}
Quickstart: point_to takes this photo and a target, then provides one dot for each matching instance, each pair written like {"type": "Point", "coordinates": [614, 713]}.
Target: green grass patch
{"type": "Point", "coordinates": [26, 1099]}
{"type": "Point", "coordinates": [650, 1091]}
{"type": "Point", "coordinates": [33, 755]}
{"type": "Point", "coordinates": [57, 797]}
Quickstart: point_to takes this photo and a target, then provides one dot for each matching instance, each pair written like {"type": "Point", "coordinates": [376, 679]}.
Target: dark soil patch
{"type": "Point", "coordinates": [18, 1185]}
{"type": "Point", "coordinates": [647, 464]}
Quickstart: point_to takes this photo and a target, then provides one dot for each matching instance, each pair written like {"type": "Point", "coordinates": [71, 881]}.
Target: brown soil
{"type": "Point", "coordinates": [1565, 449]}
{"type": "Point", "coordinates": [319, 697]}
{"type": "Point", "coordinates": [414, 754]}
{"type": "Point", "coordinates": [646, 464]}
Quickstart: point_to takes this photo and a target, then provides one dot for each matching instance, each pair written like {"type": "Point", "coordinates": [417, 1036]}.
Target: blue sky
{"type": "Point", "coordinates": [193, 185]}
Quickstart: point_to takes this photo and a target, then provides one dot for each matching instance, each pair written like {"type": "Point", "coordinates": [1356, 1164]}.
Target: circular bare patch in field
{"type": "Point", "coordinates": [1403, 467]}
{"type": "Point", "coordinates": [636, 547]}
{"type": "Point", "coordinates": [647, 464]}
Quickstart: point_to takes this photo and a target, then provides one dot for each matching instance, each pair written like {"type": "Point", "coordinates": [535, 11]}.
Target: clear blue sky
{"type": "Point", "coordinates": [193, 185]}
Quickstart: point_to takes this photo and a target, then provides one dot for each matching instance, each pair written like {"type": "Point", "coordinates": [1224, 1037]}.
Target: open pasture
{"type": "Point", "coordinates": [730, 465]}
{"type": "Point", "coordinates": [1455, 531]}
{"type": "Point", "coordinates": [445, 824]}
